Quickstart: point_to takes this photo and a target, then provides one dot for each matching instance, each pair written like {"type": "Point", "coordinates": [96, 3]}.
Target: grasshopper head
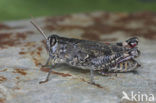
{"type": "Point", "coordinates": [52, 42]}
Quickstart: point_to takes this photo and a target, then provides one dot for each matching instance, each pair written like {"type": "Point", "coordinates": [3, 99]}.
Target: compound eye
{"type": "Point", "coordinates": [52, 41]}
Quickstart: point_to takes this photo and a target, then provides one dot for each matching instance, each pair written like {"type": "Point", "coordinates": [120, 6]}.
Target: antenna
{"type": "Point", "coordinates": [38, 28]}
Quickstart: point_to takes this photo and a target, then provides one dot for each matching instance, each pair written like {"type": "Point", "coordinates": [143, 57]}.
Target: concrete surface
{"type": "Point", "coordinates": [22, 50]}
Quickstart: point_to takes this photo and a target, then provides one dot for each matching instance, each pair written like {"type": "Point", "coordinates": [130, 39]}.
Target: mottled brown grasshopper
{"type": "Point", "coordinates": [95, 56]}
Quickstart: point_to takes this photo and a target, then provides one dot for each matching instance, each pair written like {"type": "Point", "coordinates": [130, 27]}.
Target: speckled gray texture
{"type": "Point", "coordinates": [20, 70]}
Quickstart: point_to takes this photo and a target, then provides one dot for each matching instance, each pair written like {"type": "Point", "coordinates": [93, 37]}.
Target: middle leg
{"type": "Point", "coordinates": [92, 76]}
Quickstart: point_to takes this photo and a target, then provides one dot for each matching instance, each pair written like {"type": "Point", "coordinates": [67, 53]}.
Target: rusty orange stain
{"type": "Point", "coordinates": [2, 100]}
{"type": "Point", "coordinates": [20, 35]}
{"type": "Point", "coordinates": [39, 48]}
{"type": "Point", "coordinates": [38, 53]}
{"type": "Point", "coordinates": [44, 42]}
{"type": "Point", "coordinates": [2, 79]}
{"type": "Point", "coordinates": [28, 44]}
{"type": "Point", "coordinates": [62, 74]}
{"type": "Point", "coordinates": [22, 48]}
{"type": "Point", "coordinates": [12, 39]}
{"type": "Point", "coordinates": [97, 85]}
{"type": "Point", "coordinates": [17, 77]}
{"type": "Point", "coordinates": [22, 53]}
{"type": "Point", "coordinates": [3, 26]}
{"type": "Point", "coordinates": [20, 71]}
{"type": "Point", "coordinates": [5, 36]}
{"type": "Point", "coordinates": [32, 53]}
{"type": "Point", "coordinates": [54, 72]}
{"type": "Point", "coordinates": [36, 61]}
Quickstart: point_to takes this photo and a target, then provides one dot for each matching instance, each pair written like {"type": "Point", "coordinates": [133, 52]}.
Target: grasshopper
{"type": "Point", "coordinates": [96, 56]}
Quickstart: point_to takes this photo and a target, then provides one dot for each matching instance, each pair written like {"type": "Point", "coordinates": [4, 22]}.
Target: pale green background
{"type": "Point", "coordinates": [20, 9]}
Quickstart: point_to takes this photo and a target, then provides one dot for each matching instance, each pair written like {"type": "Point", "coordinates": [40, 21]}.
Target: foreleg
{"type": "Point", "coordinates": [47, 62]}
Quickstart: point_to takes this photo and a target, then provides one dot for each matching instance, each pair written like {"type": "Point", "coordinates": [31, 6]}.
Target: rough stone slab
{"type": "Point", "coordinates": [22, 50]}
